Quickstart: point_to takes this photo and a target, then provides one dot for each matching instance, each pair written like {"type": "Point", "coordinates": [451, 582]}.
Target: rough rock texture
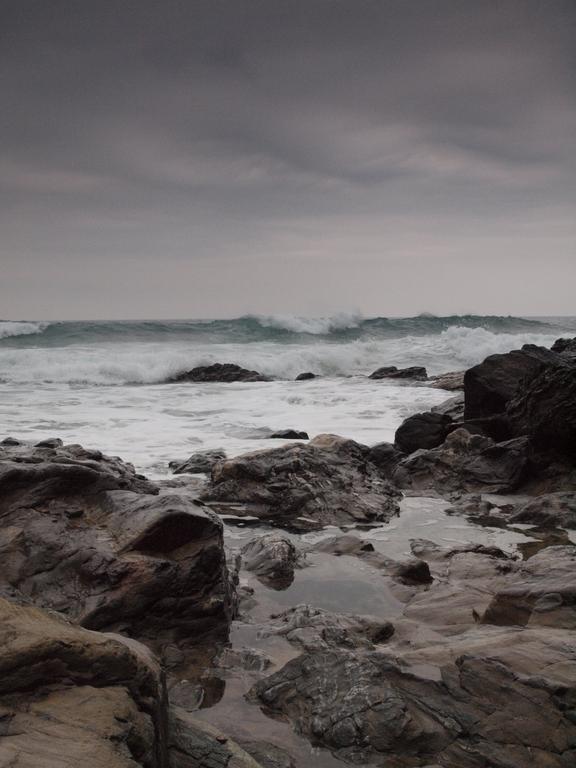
{"type": "Point", "coordinates": [329, 480]}
{"type": "Point", "coordinates": [391, 372]}
{"type": "Point", "coordinates": [306, 376]}
{"type": "Point", "coordinates": [566, 347]}
{"type": "Point", "coordinates": [465, 462]}
{"type": "Point", "coordinates": [550, 510]}
{"type": "Point", "coordinates": [223, 372]}
{"type": "Point", "coordinates": [200, 462]}
{"type": "Point", "coordinates": [543, 592]}
{"type": "Point", "coordinates": [67, 693]}
{"type": "Point", "coordinates": [313, 628]}
{"type": "Point", "coordinates": [545, 409]}
{"type": "Point", "coordinates": [385, 456]}
{"type": "Point", "coordinates": [83, 534]}
{"type": "Point", "coordinates": [366, 707]}
{"type": "Point", "coordinates": [272, 558]}
{"type": "Point", "coordinates": [422, 430]}
{"type": "Point", "coordinates": [452, 381]}
{"type": "Point", "coordinates": [289, 434]}
{"type": "Point", "coordinates": [490, 385]}
{"type": "Point", "coordinates": [269, 755]}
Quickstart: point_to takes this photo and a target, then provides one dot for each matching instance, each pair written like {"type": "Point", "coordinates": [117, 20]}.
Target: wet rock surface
{"type": "Point", "coordinates": [219, 372]}
{"type": "Point", "coordinates": [415, 372]}
{"type": "Point", "coordinates": [85, 535]}
{"type": "Point", "coordinates": [200, 462]}
{"type": "Point", "coordinates": [451, 381]}
{"type": "Point", "coordinates": [289, 434]}
{"type": "Point", "coordinates": [328, 481]}
{"type": "Point", "coordinates": [273, 558]}
{"type": "Point", "coordinates": [422, 430]}
{"type": "Point", "coordinates": [466, 462]}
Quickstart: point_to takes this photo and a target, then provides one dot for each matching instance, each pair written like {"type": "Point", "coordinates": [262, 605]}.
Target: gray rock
{"type": "Point", "coordinates": [465, 462]}
{"type": "Point", "coordinates": [452, 381]}
{"type": "Point", "coordinates": [453, 407]}
{"type": "Point", "coordinates": [289, 434]}
{"type": "Point", "coordinates": [200, 462]}
{"type": "Point", "coordinates": [306, 376]}
{"type": "Point", "coordinates": [550, 510]}
{"type": "Point", "coordinates": [385, 456]}
{"type": "Point", "coordinates": [305, 486]}
{"type": "Point", "coordinates": [272, 558]}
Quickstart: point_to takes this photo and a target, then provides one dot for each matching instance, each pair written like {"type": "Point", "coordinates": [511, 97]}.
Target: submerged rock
{"type": "Point", "coordinates": [392, 372]}
{"type": "Point", "coordinates": [289, 434]}
{"type": "Point", "coordinates": [85, 535]}
{"type": "Point", "coordinates": [306, 376]}
{"type": "Point", "coordinates": [327, 481]}
{"type": "Point", "coordinates": [220, 372]}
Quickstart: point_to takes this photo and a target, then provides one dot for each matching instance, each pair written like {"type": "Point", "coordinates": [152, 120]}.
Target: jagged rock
{"type": "Point", "coordinates": [452, 381]}
{"type": "Point", "coordinates": [83, 534]}
{"type": "Point", "coordinates": [550, 510]}
{"type": "Point", "coordinates": [289, 434]}
{"type": "Point", "coordinates": [71, 697]}
{"type": "Point", "coordinates": [545, 409]}
{"type": "Point", "coordinates": [313, 628]}
{"type": "Point", "coordinates": [200, 462]}
{"type": "Point", "coordinates": [543, 592]}
{"type": "Point", "coordinates": [305, 486]}
{"type": "Point", "coordinates": [392, 372]}
{"type": "Point", "coordinates": [221, 372]}
{"type": "Point", "coordinates": [367, 708]}
{"type": "Point", "coordinates": [306, 376]}
{"type": "Point", "coordinates": [566, 347]}
{"type": "Point", "coordinates": [422, 430]}
{"type": "Point", "coordinates": [489, 386]}
{"type": "Point", "coordinates": [272, 558]}
{"type": "Point", "coordinates": [465, 462]}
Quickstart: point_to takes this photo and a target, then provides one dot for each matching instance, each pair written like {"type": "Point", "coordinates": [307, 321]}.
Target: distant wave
{"type": "Point", "coordinates": [253, 329]}
{"type": "Point", "coordinates": [151, 362]}
{"type": "Point", "coordinates": [10, 328]}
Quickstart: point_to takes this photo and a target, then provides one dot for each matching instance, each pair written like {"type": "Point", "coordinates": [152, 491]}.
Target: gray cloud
{"type": "Point", "coordinates": [217, 157]}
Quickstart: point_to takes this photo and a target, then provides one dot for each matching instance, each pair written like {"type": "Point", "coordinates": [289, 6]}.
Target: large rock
{"type": "Point", "coordinates": [85, 535]}
{"type": "Point", "coordinates": [72, 697]}
{"type": "Point", "coordinates": [465, 462]}
{"type": "Point", "coordinates": [422, 430]}
{"type": "Point", "coordinates": [550, 510]}
{"type": "Point", "coordinates": [328, 481]}
{"type": "Point", "coordinates": [367, 708]}
{"type": "Point", "coordinates": [416, 372]}
{"type": "Point", "coordinates": [223, 372]}
{"type": "Point", "coordinates": [490, 385]}
{"type": "Point", "coordinates": [545, 409]}
{"type": "Point", "coordinates": [565, 347]}
{"type": "Point", "coordinates": [543, 592]}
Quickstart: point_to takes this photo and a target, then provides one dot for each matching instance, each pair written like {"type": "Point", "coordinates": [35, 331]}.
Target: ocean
{"type": "Point", "coordinates": [101, 383]}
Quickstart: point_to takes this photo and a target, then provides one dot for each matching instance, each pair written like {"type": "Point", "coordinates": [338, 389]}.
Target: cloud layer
{"type": "Point", "coordinates": [211, 157]}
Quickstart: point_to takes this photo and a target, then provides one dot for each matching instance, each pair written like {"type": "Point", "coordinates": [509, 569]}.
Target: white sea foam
{"type": "Point", "coordinates": [312, 325]}
{"type": "Point", "coordinates": [19, 328]}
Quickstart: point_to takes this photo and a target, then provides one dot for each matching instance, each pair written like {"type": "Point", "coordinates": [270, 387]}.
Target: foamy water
{"type": "Point", "coordinates": [99, 383]}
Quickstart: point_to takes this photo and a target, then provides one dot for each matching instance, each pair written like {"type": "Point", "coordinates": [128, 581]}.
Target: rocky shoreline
{"type": "Point", "coordinates": [152, 624]}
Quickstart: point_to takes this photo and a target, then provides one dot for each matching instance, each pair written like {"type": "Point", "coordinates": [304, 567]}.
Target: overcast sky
{"type": "Point", "coordinates": [219, 157]}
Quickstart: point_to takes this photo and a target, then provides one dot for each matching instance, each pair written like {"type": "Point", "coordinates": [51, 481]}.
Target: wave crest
{"type": "Point", "coordinates": [10, 328]}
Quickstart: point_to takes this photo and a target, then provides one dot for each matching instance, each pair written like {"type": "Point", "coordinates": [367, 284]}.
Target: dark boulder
{"type": "Point", "coordinates": [327, 481]}
{"type": "Point", "coordinates": [423, 430]}
{"type": "Point", "coordinates": [489, 386]}
{"type": "Point", "coordinates": [289, 434]}
{"type": "Point", "coordinates": [465, 462]}
{"type": "Point", "coordinates": [545, 409]}
{"type": "Point", "coordinates": [200, 462]}
{"type": "Point", "coordinates": [306, 376]}
{"type": "Point", "coordinates": [566, 347]}
{"type": "Point", "coordinates": [392, 372]}
{"type": "Point", "coordinates": [385, 456]}
{"type": "Point", "coordinates": [219, 372]}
